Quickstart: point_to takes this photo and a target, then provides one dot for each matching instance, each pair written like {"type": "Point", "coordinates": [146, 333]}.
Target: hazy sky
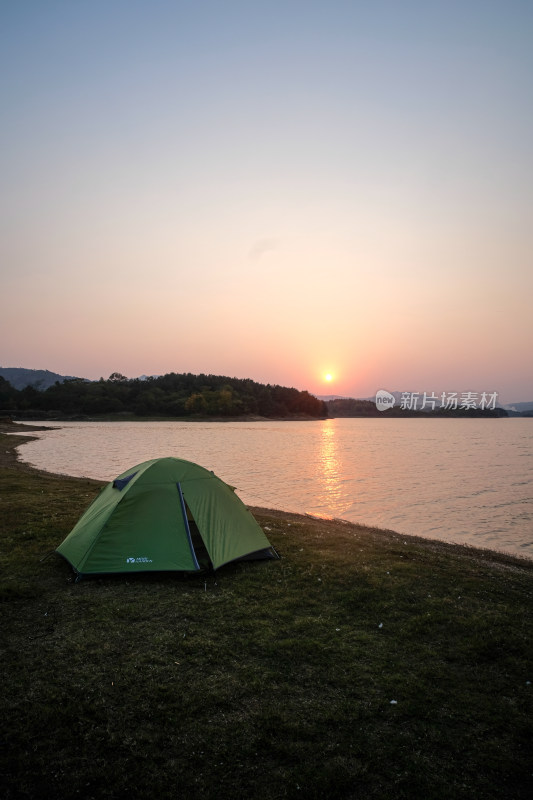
{"type": "Point", "coordinates": [271, 190]}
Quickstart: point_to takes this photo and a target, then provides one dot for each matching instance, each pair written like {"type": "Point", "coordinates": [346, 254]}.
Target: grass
{"type": "Point", "coordinates": [265, 680]}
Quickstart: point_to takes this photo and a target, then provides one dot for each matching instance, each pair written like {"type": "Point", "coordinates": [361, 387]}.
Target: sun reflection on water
{"type": "Point", "coordinates": [329, 466]}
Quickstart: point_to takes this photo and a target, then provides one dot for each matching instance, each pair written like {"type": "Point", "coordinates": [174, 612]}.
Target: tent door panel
{"type": "Point", "coordinates": [198, 544]}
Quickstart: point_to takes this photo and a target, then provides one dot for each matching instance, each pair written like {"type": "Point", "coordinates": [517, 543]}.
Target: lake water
{"type": "Point", "coordinates": [463, 480]}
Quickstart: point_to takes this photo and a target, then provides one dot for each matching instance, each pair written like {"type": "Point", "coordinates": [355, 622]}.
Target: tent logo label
{"type": "Point", "coordinates": [142, 560]}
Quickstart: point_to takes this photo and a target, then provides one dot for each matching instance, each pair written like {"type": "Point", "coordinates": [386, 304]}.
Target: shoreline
{"type": "Point", "coordinates": [130, 417]}
{"type": "Point", "coordinates": [155, 418]}
{"type": "Point", "coordinates": [15, 435]}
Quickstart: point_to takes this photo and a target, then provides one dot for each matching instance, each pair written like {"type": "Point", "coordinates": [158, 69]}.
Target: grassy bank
{"type": "Point", "coordinates": [363, 664]}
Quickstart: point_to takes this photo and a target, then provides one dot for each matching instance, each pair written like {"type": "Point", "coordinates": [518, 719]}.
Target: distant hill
{"type": "Point", "coordinates": [45, 394]}
{"type": "Point", "coordinates": [39, 379]}
{"type": "Point", "coordinates": [327, 397]}
{"type": "Point", "coordinates": [339, 406]}
{"type": "Point", "coordinates": [350, 407]}
{"type": "Point", "coordinates": [520, 407]}
{"type": "Point", "coordinates": [172, 395]}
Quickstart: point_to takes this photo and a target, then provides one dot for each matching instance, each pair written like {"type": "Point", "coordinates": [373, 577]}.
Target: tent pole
{"type": "Point", "coordinates": [189, 537]}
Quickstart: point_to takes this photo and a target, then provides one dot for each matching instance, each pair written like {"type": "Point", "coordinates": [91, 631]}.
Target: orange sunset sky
{"type": "Point", "coordinates": [270, 190]}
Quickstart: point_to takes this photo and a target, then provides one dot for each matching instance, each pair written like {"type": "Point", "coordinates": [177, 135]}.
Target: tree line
{"type": "Point", "coordinates": [171, 395]}
{"type": "Point", "coordinates": [190, 396]}
{"type": "Point", "coordinates": [348, 407]}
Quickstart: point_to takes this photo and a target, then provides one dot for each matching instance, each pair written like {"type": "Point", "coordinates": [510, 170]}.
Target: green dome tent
{"type": "Point", "coordinates": [164, 514]}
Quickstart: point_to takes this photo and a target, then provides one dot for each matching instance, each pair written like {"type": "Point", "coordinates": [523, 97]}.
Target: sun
{"type": "Point", "coordinates": [328, 377]}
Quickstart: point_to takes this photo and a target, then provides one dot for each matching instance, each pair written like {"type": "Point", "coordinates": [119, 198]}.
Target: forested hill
{"type": "Point", "coordinates": [172, 395]}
